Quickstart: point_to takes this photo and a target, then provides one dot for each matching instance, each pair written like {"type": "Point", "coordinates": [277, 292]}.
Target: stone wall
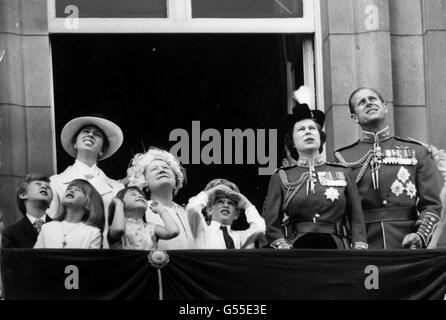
{"type": "Point", "coordinates": [395, 46]}
{"type": "Point", "coordinates": [25, 98]}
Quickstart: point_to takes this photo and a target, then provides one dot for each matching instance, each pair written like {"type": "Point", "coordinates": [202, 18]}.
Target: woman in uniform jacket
{"type": "Point", "coordinates": [88, 140]}
{"type": "Point", "coordinates": [313, 203]}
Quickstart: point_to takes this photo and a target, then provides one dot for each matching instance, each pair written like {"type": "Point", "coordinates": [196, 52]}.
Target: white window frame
{"type": "Point", "coordinates": [179, 20]}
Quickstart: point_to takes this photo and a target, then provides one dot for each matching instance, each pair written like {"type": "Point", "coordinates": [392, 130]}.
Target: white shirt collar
{"type": "Point", "coordinates": [33, 219]}
{"type": "Point", "coordinates": [216, 225]}
{"type": "Point", "coordinates": [84, 170]}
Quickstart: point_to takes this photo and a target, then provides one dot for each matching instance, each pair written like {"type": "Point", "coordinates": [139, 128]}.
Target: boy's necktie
{"type": "Point", "coordinates": [228, 239]}
{"type": "Point", "coordinates": [38, 225]}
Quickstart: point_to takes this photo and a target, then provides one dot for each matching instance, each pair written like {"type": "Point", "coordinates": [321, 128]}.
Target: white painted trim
{"type": "Point", "coordinates": [51, 8]}
{"type": "Point", "coordinates": [318, 57]}
{"type": "Point", "coordinates": [53, 115]}
{"type": "Point", "coordinates": [308, 66]}
{"type": "Point", "coordinates": [291, 85]}
{"type": "Point", "coordinates": [140, 25]}
{"type": "Point", "coordinates": [180, 21]}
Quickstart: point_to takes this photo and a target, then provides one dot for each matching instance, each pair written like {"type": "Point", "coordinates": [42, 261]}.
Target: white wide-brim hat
{"type": "Point", "coordinates": [111, 130]}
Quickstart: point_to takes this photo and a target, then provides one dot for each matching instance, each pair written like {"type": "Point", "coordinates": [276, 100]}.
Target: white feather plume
{"type": "Point", "coordinates": [304, 95]}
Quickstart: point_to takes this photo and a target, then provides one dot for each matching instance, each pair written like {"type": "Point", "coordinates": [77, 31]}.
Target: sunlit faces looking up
{"type": "Point", "coordinates": [134, 200]}
{"type": "Point", "coordinates": [39, 191]}
{"type": "Point", "coordinates": [90, 139]}
{"type": "Point", "coordinates": [224, 210]}
{"type": "Point", "coordinates": [367, 108]}
{"type": "Point", "coordinates": [306, 137]}
{"type": "Point", "coordinates": [159, 174]}
{"type": "Point", "coordinates": [75, 197]}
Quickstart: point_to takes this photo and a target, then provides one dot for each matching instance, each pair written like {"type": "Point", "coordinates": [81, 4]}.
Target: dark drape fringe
{"type": "Point", "coordinates": [220, 274]}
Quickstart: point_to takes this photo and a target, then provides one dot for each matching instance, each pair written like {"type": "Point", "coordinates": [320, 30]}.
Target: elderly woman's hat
{"type": "Point", "coordinates": [112, 132]}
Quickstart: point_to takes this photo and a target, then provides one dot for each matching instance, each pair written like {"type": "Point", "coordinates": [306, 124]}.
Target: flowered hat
{"type": "Point", "coordinates": [136, 171]}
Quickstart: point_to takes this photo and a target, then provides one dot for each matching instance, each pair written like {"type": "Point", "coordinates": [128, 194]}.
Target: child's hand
{"type": "Point", "coordinates": [118, 202]}
{"type": "Point", "coordinates": [157, 207]}
{"type": "Point", "coordinates": [244, 203]}
{"type": "Point", "coordinates": [220, 187]}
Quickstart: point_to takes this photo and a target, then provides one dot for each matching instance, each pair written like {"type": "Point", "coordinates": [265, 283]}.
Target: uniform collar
{"type": "Point", "coordinates": [380, 136]}
{"type": "Point", "coordinates": [305, 163]}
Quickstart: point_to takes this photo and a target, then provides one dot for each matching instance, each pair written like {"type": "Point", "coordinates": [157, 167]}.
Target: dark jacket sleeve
{"type": "Point", "coordinates": [355, 213]}
{"type": "Point", "coordinates": [429, 204]}
{"type": "Point", "coordinates": [272, 212]}
{"type": "Point", "coordinates": [8, 239]}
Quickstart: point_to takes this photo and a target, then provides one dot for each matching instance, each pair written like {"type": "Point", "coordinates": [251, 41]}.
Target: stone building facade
{"type": "Point", "coordinates": [395, 46]}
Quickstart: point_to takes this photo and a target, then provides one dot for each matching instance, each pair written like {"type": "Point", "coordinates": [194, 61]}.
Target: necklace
{"type": "Point", "coordinates": [66, 234]}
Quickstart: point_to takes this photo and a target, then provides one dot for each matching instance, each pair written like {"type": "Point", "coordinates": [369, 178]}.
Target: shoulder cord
{"type": "Point", "coordinates": [355, 164]}
{"type": "Point", "coordinates": [364, 168]}
{"type": "Point", "coordinates": [292, 189]}
{"type": "Point", "coordinates": [363, 162]}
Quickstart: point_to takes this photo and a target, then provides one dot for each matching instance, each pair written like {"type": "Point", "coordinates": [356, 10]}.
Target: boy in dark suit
{"type": "Point", "coordinates": [34, 196]}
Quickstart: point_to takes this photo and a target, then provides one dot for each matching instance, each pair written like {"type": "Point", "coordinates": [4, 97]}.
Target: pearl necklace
{"type": "Point", "coordinates": [66, 234]}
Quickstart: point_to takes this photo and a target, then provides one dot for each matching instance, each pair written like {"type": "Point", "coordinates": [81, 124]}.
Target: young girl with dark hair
{"type": "Point", "coordinates": [128, 226]}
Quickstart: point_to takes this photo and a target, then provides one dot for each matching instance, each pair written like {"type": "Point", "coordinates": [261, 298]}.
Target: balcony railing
{"type": "Point", "coordinates": [223, 274]}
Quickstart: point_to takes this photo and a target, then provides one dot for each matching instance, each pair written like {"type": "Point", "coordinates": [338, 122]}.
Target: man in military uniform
{"type": "Point", "coordinates": [396, 178]}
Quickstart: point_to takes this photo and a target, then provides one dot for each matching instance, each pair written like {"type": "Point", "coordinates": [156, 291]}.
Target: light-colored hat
{"type": "Point", "coordinates": [234, 195]}
{"type": "Point", "coordinates": [136, 171]}
{"type": "Point", "coordinates": [111, 130]}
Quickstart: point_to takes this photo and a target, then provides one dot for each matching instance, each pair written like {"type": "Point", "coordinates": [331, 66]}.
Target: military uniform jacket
{"type": "Point", "coordinates": [335, 200]}
{"type": "Point", "coordinates": [402, 195]}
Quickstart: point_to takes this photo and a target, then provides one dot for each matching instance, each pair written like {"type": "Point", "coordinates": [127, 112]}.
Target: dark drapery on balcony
{"type": "Point", "coordinates": [228, 275]}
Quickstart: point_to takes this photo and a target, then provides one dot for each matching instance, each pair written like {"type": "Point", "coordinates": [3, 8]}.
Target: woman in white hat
{"type": "Point", "coordinates": [88, 140]}
{"type": "Point", "coordinates": [160, 175]}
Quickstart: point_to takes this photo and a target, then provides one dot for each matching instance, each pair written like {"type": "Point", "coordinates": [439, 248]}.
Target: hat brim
{"type": "Point", "coordinates": [113, 133]}
{"type": "Point", "coordinates": [235, 197]}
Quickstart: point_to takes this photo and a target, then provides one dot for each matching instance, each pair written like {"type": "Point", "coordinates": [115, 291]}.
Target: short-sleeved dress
{"type": "Point", "coordinates": [139, 235]}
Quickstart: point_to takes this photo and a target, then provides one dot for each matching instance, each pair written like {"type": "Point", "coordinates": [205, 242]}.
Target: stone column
{"type": "Point", "coordinates": [25, 98]}
{"type": "Point", "coordinates": [357, 53]}
{"type": "Point", "coordinates": [434, 30]}
{"type": "Point", "coordinates": [409, 82]}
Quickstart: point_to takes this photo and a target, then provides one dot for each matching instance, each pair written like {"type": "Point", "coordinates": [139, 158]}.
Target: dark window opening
{"type": "Point", "coordinates": [154, 83]}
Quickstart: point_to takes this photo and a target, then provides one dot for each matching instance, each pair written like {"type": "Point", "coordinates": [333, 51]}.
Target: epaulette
{"type": "Point", "coordinates": [336, 165]}
{"type": "Point", "coordinates": [348, 147]}
{"type": "Point", "coordinates": [410, 141]}
{"type": "Point", "coordinates": [285, 167]}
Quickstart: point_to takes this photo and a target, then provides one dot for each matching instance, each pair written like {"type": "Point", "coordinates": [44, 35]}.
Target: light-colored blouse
{"type": "Point", "coordinates": [62, 234]}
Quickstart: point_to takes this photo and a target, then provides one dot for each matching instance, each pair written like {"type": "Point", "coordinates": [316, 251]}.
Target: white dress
{"type": "Point", "coordinates": [106, 187]}
{"type": "Point", "coordinates": [184, 240]}
{"type": "Point", "coordinates": [62, 234]}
